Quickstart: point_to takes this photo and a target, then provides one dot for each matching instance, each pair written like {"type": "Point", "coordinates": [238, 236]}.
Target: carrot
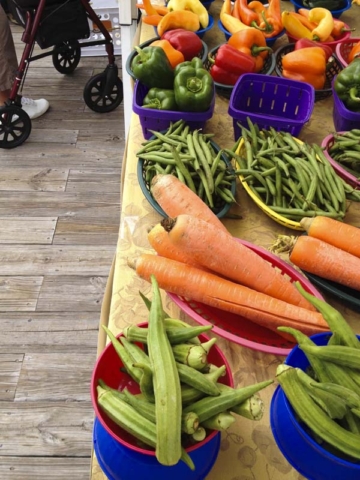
{"type": "Point", "coordinates": [210, 289]}
{"type": "Point", "coordinates": [216, 250]}
{"type": "Point", "coordinates": [175, 198]}
{"type": "Point", "coordinates": [326, 261]}
{"type": "Point", "coordinates": [336, 233]}
{"type": "Point", "coordinates": [161, 243]}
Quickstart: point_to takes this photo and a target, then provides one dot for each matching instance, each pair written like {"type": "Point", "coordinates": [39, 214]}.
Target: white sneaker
{"type": "Point", "coordinates": [34, 108]}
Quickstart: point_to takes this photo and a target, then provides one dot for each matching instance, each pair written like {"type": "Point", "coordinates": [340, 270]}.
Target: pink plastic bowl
{"type": "Point", "coordinates": [343, 49]}
{"type": "Point", "coordinates": [344, 174]}
{"type": "Point", "coordinates": [108, 368]}
{"type": "Point", "coordinates": [344, 36]}
{"type": "Point", "coordinates": [238, 329]}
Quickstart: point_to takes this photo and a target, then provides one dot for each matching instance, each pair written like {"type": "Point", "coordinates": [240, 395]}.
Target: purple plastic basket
{"type": "Point", "coordinates": [344, 119]}
{"type": "Point", "coordinates": [268, 101]}
{"type": "Point", "coordinates": [158, 120]}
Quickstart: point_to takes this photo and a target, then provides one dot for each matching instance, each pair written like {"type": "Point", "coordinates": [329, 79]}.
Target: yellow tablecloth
{"type": "Point", "coordinates": [248, 450]}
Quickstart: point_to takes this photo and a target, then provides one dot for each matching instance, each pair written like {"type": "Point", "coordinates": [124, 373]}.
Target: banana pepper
{"type": "Point", "coordinates": [295, 27]}
{"type": "Point", "coordinates": [325, 23]}
{"type": "Point", "coordinates": [194, 6]}
{"type": "Point", "coordinates": [306, 65]}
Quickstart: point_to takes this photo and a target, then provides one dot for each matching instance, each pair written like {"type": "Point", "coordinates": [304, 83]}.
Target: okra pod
{"type": "Point", "coordinates": [221, 422]}
{"type": "Point", "coordinates": [338, 354]}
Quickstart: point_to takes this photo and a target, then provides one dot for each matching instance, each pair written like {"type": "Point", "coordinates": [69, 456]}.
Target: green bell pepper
{"type": "Point", "coordinates": [347, 85]}
{"type": "Point", "coordinates": [160, 99]}
{"type": "Point", "coordinates": [152, 67]}
{"type": "Point", "coordinates": [193, 86]}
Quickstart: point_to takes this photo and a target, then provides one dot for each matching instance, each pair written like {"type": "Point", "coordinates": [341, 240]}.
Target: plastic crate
{"type": "Point", "coordinates": [225, 90]}
{"type": "Point", "coordinates": [158, 120]}
{"type": "Point", "coordinates": [108, 12]}
{"type": "Point", "coordinates": [270, 101]}
{"type": "Point", "coordinates": [344, 119]}
{"type": "Point", "coordinates": [343, 49]}
{"type": "Point", "coordinates": [332, 70]}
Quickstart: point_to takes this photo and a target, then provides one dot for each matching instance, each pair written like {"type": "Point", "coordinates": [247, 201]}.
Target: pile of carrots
{"type": "Point", "coordinates": [199, 259]}
{"type": "Point", "coordinates": [331, 250]}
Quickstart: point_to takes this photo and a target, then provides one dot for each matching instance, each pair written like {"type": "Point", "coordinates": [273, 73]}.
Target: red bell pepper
{"type": "Point", "coordinates": [186, 42]}
{"type": "Point", "coordinates": [229, 64]}
{"type": "Point", "coordinates": [306, 43]}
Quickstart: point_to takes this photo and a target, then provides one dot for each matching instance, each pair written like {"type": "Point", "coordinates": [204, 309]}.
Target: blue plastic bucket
{"type": "Point", "coordinates": [121, 463]}
{"type": "Point", "coordinates": [299, 449]}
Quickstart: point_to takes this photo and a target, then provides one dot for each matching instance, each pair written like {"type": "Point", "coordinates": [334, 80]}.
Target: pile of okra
{"type": "Point", "coordinates": [294, 179]}
{"type": "Point", "coordinates": [190, 156]}
{"type": "Point", "coordinates": [181, 397]}
{"type": "Point", "coordinates": [345, 150]}
{"type": "Point", "coordinates": [326, 397]}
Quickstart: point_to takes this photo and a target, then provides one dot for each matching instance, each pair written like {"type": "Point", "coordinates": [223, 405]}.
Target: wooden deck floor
{"type": "Point", "coordinates": [59, 217]}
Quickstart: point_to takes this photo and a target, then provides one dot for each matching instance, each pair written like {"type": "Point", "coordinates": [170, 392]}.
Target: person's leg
{"type": "Point", "coordinates": [8, 60]}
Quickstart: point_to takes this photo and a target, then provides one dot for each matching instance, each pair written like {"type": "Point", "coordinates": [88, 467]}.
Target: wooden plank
{"type": "Point", "coordinates": [32, 178]}
{"type": "Point", "coordinates": [55, 260]}
{"type": "Point", "coordinates": [10, 366]}
{"type": "Point", "coordinates": [78, 231]}
{"type": "Point", "coordinates": [19, 293]}
{"type": "Point", "coordinates": [56, 377]}
{"type": "Point", "coordinates": [95, 180]}
{"type": "Point", "coordinates": [72, 293]}
{"type": "Point", "coordinates": [66, 204]}
{"type": "Point", "coordinates": [43, 323]}
{"type": "Point", "coordinates": [56, 428]}
{"type": "Point", "coordinates": [65, 155]}
{"type": "Point", "coordinates": [56, 468]}
{"type": "Point", "coordinates": [52, 136]}
{"type": "Point", "coordinates": [36, 230]}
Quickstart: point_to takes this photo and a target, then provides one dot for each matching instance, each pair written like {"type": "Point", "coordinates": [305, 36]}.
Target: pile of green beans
{"type": "Point", "coordinates": [191, 157]}
{"type": "Point", "coordinates": [346, 151]}
{"type": "Point", "coordinates": [294, 179]}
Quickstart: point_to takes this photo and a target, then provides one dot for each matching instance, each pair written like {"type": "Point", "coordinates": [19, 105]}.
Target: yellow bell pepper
{"type": "Point", "coordinates": [294, 27]}
{"type": "Point", "coordinates": [194, 6]}
{"type": "Point", "coordinates": [357, 2]}
{"type": "Point", "coordinates": [325, 23]}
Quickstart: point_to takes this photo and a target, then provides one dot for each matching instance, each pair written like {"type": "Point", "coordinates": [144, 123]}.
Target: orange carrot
{"type": "Point", "coordinates": [210, 289]}
{"type": "Point", "coordinates": [326, 261]}
{"type": "Point", "coordinates": [153, 20]}
{"type": "Point", "coordinates": [217, 251]}
{"type": "Point", "coordinates": [336, 233]}
{"type": "Point", "coordinates": [175, 198]}
{"type": "Point", "coordinates": [161, 243]}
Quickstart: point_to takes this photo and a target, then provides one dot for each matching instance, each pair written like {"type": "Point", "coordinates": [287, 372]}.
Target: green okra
{"type": "Point", "coordinates": [221, 422]}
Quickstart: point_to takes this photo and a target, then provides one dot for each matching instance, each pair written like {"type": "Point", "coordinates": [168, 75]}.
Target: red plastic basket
{"type": "Point", "coordinates": [236, 328]}
{"type": "Point", "coordinates": [343, 49]}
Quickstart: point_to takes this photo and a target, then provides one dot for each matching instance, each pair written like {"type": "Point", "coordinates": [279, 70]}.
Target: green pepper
{"type": "Point", "coordinates": [193, 86]}
{"type": "Point", "coordinates": [347, 85]}
{"type": "Point", "coordinates": [161, 99]}
{"type": "Point", "coordinates": [152, 67]}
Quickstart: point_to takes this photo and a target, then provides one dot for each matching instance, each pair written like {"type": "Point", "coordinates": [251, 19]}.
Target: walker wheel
{"type": "Point", "coordinates": [94, 94]}
{"type": "Point", "coordinates": [15, 126]}
{"type": "Point", "coordinates": [68, 58]}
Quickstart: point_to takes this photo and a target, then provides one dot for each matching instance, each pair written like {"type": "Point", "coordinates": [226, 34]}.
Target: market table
{"type": "Point", "coordinates": [248, 450]}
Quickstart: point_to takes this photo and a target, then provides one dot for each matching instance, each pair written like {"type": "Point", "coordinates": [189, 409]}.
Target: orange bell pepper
{"type": "Point", "coordinates": [252, 42]}
{"type": "Point", "coordinates": [174, 56]}
{"type": "Point", "coordinates": [354, 52]}
{"type": "Point", "coordinates": [306, 65]}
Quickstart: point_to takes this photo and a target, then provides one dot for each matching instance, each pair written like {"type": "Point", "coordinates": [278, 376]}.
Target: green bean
{"type": "Point", "coordinates": [207, 192]}
{"type": "Point", "coordinates": [311, 192]}
{"type": "Point", "coordinates": [271, 186]}
{"type": "Point", "coordinates": [206, 150]}
{"type": "Point", "coordinates": [313, 159]}
{"type": "Point", "coordinates": [219, 179]}
{"type": "Point", "coordinates": [185, 132]}
{"type": "Point", "coordinates": [289, 139]}
{"type": "Point", "coordinates": [180, 140]}
{"type": "Point", "coordinates": [306, 213]}
{"type": "Point", "coordinates": [278, 186]}
{"type": "Point", "coordinates": [225, 194]}
{"type": "Point", "coordinates": [282, 165]}
{"type": "Point", "coordinates": [164, 138]}
{"type": "Point", "coordinates": [184, 171]}
{"type": "Point", "coordinates": [203, 162]}
{"type": "Point", "coordinates": [249, 153]}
